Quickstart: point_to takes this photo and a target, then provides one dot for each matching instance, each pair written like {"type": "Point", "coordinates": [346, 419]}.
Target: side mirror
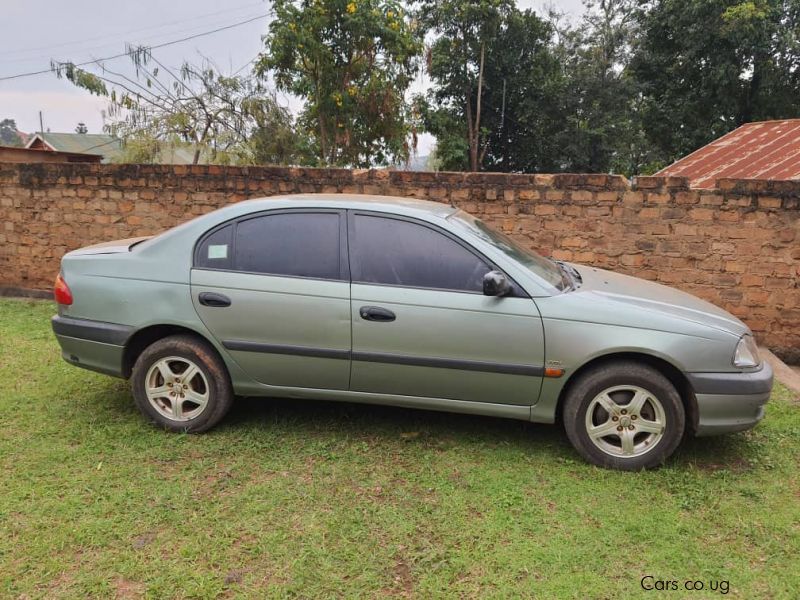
{"type": "Point", "coordinates": [495, 284]}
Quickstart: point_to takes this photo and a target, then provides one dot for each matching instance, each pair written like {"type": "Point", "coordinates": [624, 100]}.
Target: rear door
{"type": "Point", "coordinates": [274, 289]}
{"type": "Point", "coordinates": [422, 326]}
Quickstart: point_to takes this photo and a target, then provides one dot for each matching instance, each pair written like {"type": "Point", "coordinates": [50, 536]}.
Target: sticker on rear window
{"type": "Point", "coordinates": [217, 251]}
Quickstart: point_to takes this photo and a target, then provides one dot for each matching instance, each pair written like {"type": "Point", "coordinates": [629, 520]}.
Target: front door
{"type": "Point", "coordinates": [274, 290]}
{"type": "Point", "coordinates": [422, 326]}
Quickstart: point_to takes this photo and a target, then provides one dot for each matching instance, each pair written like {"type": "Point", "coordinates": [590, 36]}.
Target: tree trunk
{"type": "Point", "coordinates": [323, 140]}
{"type": "Point", "coordinates": [475, 134]}
{"type": "Point", "coordinates": [747, 111]}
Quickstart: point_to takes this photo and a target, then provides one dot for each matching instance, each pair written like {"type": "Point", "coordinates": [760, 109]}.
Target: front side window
{"type": "Point", "coordinates": [292, 244]}
{"type": "Point", "coordinates": [395, 252]}
{"type": "Point", "coordinates": [545, 268]}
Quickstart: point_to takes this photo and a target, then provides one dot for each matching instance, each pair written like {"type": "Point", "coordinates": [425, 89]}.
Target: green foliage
{"type": "Point", "coordinates": [629, 88]}
{"type": "Point", "coordinates": [8, 133]}
{"type": "Point", "coordinates": [601, 103]}
{"type": "Point", "coordinates": [219, 118]}
{"type": "Point", "coordinates": [351, 61]}
{"type": "Point", "coordinates": [519, 88]}
{"type": "Point", "coordinates": [552, 98]}
{"type": "Point", "coordinates": [466, 36]}
{"type": "Point", "coordinates": [524, 82]}
{"type": "Point", "coordinates": [92, 83]}
{"type": "Point", "coordinates": [140, 148]}
{"type": "Point", "coordinates": [707, 66]}
{"type": "Point", "coordinates": [273, 139]}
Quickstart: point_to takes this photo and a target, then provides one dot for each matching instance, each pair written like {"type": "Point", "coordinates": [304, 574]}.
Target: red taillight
{"type": "Point", "coordinates": [61, 291]}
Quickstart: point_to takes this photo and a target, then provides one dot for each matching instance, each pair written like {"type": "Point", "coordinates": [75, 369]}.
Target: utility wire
{"type": "Point", "coordinates": [245, 65]}
{"type": "Point", "coordinates": [115, 36]}
{"type": "Point", "coordinates": [154, 47]}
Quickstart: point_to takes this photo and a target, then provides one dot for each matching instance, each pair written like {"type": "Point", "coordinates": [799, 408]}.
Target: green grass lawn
{"type": "Point", "coordinates": [307, 499]}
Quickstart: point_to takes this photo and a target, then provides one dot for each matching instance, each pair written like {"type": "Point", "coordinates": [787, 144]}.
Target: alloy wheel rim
{"type": "Point", "coordinates": [177, 388]}
{"type": "Point", "coordinates": [625, 421]}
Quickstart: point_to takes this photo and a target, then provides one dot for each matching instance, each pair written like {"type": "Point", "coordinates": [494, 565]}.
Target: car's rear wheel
{"type": "Point", "coordinates": [180, 383]}
{"type": "Point", "coordinates": [624, 415]}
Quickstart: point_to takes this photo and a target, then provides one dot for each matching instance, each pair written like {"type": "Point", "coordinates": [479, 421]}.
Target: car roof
{"type": "Point", "coordinates": [392, 204]}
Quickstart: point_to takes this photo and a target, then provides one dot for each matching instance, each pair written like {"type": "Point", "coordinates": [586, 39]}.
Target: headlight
{"type": "Point", "coordinates": [746, 354]}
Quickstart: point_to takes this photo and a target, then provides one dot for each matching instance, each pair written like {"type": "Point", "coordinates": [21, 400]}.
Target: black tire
{"type": "Point", "coordinates": [215, 384]}
{"type": "Point", "coordinates": [589, 385]}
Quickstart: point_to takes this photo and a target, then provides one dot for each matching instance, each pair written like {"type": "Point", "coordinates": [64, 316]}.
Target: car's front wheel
{"type": "Point", "coordinates": [180, 383]}
{"type": "Point", "coordinates": [624, 415]}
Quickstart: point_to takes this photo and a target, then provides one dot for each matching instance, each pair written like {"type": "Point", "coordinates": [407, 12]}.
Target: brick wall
{"type": "Point", "coordinates": [737, 246]}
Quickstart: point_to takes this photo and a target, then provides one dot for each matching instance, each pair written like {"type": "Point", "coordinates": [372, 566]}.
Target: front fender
{"type": "Point", "coordinates": [570, 345]}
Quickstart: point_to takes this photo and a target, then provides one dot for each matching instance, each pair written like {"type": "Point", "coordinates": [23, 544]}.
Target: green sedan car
{"type": "Point", "coordinates": [407, 303]}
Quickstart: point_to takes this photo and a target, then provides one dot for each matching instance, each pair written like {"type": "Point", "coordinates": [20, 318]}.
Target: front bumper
{"type": "Point", "coordinates": [729, 402]}
{"type": "Point", "coordinates": [92, 345]}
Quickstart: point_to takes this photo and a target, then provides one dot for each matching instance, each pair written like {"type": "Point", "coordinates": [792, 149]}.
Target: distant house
{"type": "Point", "coordinates": [36, 155]}
{"type": "Point", "coordinates": [107, 146]}
{"type": "Point", "coordinates": [110, 147]}
{"type": "Point", "coordinates": [763, 150]}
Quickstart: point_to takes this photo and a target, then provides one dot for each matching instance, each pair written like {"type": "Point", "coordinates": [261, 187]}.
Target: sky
{"type": "Point", "coordinates": [32, 32]}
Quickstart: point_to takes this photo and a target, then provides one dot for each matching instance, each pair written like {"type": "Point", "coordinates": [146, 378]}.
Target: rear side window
{"type": "Point", "coordinates": [293, 244]}
{"type": "Point", "coordinates": [395, 252]}
{"type": "Point", "coordinates": [215, 251]}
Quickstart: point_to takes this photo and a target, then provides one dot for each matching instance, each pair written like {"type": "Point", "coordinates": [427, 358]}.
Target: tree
{"type": "Point", "coordinates": [601, 101]}
{"type": "Point", "coordinates": [707, 66]}
{"type": "Point", "coordinates": [197, 106]}
{"type": "Point", "coordinates": [519, 86]}
{"type": "Point", "coordinates": [465, 31]}
{"type": "Point", "coordinates": [8, 133]}
{"type": "Point", "coordinates": [351, 61]}
{"type": "Point", "coordinates": [522, 107]}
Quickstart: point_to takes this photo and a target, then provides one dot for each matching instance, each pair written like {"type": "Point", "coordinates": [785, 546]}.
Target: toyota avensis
{"type": "Point", "coordinates": [407, 303]}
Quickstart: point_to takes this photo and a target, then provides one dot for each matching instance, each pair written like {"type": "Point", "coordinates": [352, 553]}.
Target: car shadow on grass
{"type": "Point", "coordinates": [342, 418]}
{"type": "Point", "coordinates": [334, 421]}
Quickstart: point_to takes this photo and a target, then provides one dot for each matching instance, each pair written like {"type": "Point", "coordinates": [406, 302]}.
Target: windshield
{"type": "Point", "coordinates": [541, 266]}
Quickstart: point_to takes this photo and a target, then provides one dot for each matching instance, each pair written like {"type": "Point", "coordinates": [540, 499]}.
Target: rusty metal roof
{"type": "Point", "coordinates": [763, 150]}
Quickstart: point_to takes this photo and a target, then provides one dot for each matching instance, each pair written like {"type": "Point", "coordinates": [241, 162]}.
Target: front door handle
{"type": "Point", "coordinates": [213, 299]}
{"type": "Point", "coordinates": [376, 313]}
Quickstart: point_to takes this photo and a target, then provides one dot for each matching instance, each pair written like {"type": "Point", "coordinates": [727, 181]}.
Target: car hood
{"type": "Point", "coordinates": [632, 292]}
{"type": "Point", "coordinates": [114, 247]}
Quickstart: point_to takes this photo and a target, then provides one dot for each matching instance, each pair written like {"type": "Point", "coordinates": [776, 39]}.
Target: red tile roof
{"type": "Point", "coordinates": [764, 150]}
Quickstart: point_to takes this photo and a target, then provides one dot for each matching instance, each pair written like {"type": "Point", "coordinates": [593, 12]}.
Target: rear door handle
{"type": "Point", "coordinates": [213, 299]}
{"type": "Point", "coordinates": [376, 313]}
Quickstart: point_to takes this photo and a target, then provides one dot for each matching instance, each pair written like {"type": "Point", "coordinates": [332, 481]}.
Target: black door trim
{"type": "Point", "coordinates": [449, 363]}
{"type": "Point", "coordinates": [380, 357]}
{"type": "Point", "coordinates": [246, 346]}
